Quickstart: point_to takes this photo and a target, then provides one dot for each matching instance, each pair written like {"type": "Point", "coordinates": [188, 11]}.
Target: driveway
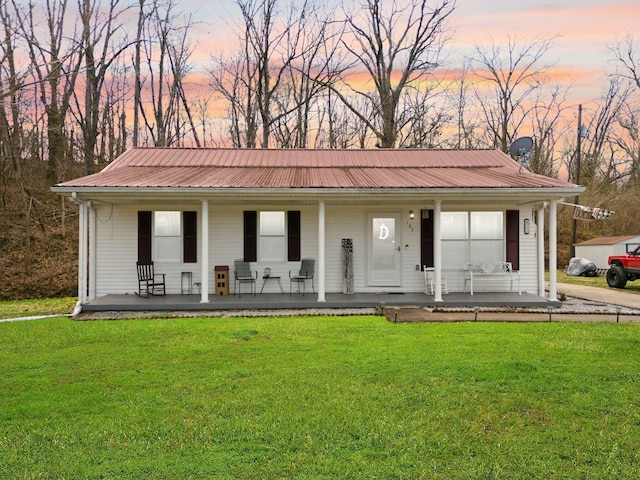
{"type": "Point", "coordinates": [613, 296]}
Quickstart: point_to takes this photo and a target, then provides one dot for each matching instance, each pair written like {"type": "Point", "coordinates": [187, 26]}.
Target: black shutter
{"type": "Point", "coordinates": [426, 238]}
{"type": "Point", "coordinates": [513, 238]}
{"type": "Point", "coordinates": [190, 234]}
{"type": "Point", "coordinates": [293, 235]}
{"type": "Point", "coordinates": [144, 237]}
{"type": "Point", "coordinates": [250, 236]}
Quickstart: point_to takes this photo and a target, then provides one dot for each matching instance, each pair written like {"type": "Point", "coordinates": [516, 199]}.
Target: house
{"type": "Point", "coordinates": [599, 249]}
{"type": "Point", "coordinates": [192, 209]}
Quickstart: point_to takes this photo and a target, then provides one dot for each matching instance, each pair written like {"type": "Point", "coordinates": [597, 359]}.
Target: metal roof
{"type": "Point", "coordinates": [188, 168]}
{"type": "Point", "coordinates": [607, 240]}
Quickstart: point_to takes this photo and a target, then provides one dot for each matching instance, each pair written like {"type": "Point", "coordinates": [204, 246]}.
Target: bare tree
{"type": "Point", "coordinates": [546, 124]}
{"type": "Point", "coordinates": [398, 47]}
{"type": "Point", "coordinates": [167, 53]}
{"type": "Point", "coordinates": [115, 104]}
{"type": "Point", "coordinates": [98, 37]}
{"type": "Point", "coordinates": [337, 126]}
{"type": "Point", "coordinates": [201, 106]}
{"type": "Point", "coordinates": [20, 139]}
{"type": "Point", "coordinates": [318, 63]}
{"type": "Point", "coordinates": [55, 61]}
{"type": "Point", "coordinates": [466, 116]}
{"type": "Point", "coordinates": [235, 79]}
{"type": "Point", "coordinates": [600, 159]}
{"type": "Point", "coordinates": [137, 64]}
{"type": "Point", "coordinates": [627, 55]}
{"type": "Point", "coordinates": [11, 82]}
{"type": "Point", "coordinates": [628, 141]}
{"type": "Point", "coordinates": [506, 83]}
{"type": "Point", "coordinates": [422, 119]}
{"type": "Point", "coordinates": [273, 74]}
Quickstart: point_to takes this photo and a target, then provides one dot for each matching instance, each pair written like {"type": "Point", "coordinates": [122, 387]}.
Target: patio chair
{"type": "Point", "coordinates": [429, 281]}
{"type": "Point", "coordinates": [243, 274]}
{"type": "Point", "coordinates": [306, 272]}
{"type": "Point", "coordinates": [148, 281]}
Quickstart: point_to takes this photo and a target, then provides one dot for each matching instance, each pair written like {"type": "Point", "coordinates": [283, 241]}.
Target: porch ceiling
{"type": "Point", "coordinates": [395, 197]}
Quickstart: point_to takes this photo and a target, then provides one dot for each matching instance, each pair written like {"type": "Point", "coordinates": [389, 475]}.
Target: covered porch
{"type": "Point", "coordinates": [328, 268]}
{"type": "Point", "coordinates": [273, 301]}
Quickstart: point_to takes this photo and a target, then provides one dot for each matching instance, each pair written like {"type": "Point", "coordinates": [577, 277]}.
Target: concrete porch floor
{"type": "Point", "coordinates": [270, 301]}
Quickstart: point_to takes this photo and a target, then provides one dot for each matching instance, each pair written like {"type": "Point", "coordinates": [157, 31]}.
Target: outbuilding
{"type": "Point", "coordinates": [598, 250]}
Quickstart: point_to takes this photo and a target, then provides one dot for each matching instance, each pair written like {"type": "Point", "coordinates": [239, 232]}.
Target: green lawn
{"type": "Point", "coordinates": [30, 308]}
{"type": "Point", "coordinates": [318, 397]}
{"type": "Point", "coordinates": [599, 281]}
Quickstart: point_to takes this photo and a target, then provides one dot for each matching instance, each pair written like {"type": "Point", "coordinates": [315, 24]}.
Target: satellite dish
{"type": "Point", "coordinates": [521, 147]}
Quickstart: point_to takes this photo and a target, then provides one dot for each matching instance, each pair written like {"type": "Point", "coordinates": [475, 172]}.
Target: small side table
{"type": "Point", "coordinates": [186, 284]}
{"type": "Point", "coordinates": [266, 278]}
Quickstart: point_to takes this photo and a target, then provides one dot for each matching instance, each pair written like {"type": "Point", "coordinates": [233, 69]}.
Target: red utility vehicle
{"type": "Point", "coordinates": [623, 268]}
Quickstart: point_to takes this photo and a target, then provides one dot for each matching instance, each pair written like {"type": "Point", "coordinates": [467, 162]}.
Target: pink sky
{"type": "Point", "coordinates": [584, 30]}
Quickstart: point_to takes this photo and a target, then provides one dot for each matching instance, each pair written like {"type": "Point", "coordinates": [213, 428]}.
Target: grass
{"type": "Point", "coordinates": [318, 397]}
{"type": "Point", "coordinates": [599, 281]}
{"type": "Point", "coordinates": [29, 308]}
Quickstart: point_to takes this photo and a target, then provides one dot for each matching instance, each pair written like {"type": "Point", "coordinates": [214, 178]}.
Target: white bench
{"type": "Point", "coordinates": [477, 270]}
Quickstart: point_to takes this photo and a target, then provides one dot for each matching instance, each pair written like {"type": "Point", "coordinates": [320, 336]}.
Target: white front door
{"type": "Point", "coordinates": [384, 249]}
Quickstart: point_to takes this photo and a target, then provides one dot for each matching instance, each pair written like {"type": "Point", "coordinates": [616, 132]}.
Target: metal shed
{"type": "Point", "coordinates": [599, 249]}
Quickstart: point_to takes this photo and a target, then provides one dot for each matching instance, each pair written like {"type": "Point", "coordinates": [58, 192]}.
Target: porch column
{"type": "Point", "coordinates": [92, 250]}
{"type": "Point", "coordinates": [437, 252]}
{"type": "Point", "coordinates": [321, 247]}
{"type": "Point", "coordinates": [540, 233]}
{"type": "Point", "coordinates": [82, 253]}
{"type": "Point", "coordinates": [553, 249]}
{"type": "Point", "coordinates": [204, 276]}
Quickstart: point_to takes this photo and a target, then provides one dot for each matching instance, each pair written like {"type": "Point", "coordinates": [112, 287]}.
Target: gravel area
{"type": "Point", "coordinates": [227, 313]}
{"type": "Point", "coordinates": [577, 305]}
{"type": "Point", "coordinates": [570, 305]}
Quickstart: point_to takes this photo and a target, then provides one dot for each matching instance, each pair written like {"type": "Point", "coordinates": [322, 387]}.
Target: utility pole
{"type": "Point", "coordinates": [581, 134]}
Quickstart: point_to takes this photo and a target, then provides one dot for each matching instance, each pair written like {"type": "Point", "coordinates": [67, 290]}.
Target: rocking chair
{"type": "Point", "coordinates": [148, 281]}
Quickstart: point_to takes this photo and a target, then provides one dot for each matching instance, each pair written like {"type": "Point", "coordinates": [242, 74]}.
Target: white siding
{"type": "Point", "coordinates": [226, 242]}
{"type": "Point", "coordinates": [116, 249]}
{"type": "Point", "coordinates": [528, 253]}
{"type": "Point", "coordinates": [599, 254]}
{"type": "Point", "coordinates": [116, 242]}
{"type": "Point", "coordinates": [528, 263]}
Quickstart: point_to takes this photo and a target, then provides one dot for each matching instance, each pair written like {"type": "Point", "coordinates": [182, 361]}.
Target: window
{"type": "Point", "coordinates": [272, 236]}
{"type": "Point", "coordinates": [166, 231]}
{"type": "Point", "coordinates": [487, 234]}
{"type": "Point", "coordinates": [454, 231]}
{"type": "Point", "coordinates": [454, 225]}
{"type": "Point", "coordinates": [172, 234]}
{"type": "Point", "coordinates": [471, 237]}
{"type": "Point", "coordinates": [275, 235]}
